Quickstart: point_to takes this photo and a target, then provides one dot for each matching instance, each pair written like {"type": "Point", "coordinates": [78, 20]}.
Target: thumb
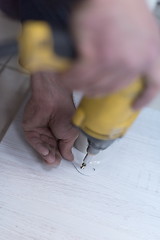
{"type": "Point", "coordinates": [65, 148]}
{"type": "Point", "coordinates": [66, 135]}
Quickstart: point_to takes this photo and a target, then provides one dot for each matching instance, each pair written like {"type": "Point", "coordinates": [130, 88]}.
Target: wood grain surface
{"type": "Point", "coordinates": [121, 201]}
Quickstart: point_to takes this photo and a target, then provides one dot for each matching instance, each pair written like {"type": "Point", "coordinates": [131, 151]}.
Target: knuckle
{"type": "Point", "coordinates": [73, 132]}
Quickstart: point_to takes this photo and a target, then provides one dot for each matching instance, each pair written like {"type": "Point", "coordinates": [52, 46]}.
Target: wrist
{"type": "Point", "coordinates": [47, 84]}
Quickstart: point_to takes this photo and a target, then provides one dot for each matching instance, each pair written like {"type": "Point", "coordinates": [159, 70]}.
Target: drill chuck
{"type": "Point", "coordinates": [97, 145]}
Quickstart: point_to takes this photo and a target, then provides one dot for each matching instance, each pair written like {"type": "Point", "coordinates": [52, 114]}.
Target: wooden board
{"type": "Point", "coordinates": [120, 202]}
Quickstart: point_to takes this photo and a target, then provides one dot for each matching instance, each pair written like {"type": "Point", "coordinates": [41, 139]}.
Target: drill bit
{"type": "Point", "coordinates": [84, 164]}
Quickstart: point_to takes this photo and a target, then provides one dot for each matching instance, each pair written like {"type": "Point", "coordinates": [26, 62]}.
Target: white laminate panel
{"type": "Point", "coordinates": [120, 202]}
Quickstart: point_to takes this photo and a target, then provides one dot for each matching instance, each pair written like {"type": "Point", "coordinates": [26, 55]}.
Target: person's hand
{"type": "Point", "coordinates": [117, 41]}
{"type": "Point", "coordinates": [47, 119]}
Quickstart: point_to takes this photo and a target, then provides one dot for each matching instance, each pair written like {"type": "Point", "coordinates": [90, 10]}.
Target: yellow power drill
{"type": "Point", "coordinates": [107, 118]}
{"type": "Point", "coordinates": [102, 119]}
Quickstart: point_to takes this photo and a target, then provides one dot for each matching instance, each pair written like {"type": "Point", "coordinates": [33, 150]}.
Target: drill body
{"type": "Point", "coordinates": [107, 118]}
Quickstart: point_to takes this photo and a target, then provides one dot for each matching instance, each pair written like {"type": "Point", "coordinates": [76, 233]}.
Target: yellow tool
{"type": "Point", "coordinates": [103, 119]}
{"type": "Point", "coordinates": [107, 118]}
{"type": "Point", "coordinates": [40, 49]}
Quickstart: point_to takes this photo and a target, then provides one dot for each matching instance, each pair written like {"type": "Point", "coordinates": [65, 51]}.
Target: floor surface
{"type": "Point", "coordinates": [120, 201]}
{"type": "Point", "coordinates": [14, 84]}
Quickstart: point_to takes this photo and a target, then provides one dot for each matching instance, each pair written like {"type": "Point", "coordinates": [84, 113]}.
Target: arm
{"type": "Point", "coordinates": [117, 40]}
{"type": "Point", "coordinates": [47, 115]}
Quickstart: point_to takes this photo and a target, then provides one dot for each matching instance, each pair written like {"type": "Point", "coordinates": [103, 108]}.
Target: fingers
{"type": "Point", "coordinates": [45, 146]}
{"type": "Point", "coordinates": [53, 157]}
{"type": "Point", "coordinates": [149, 93]}
{"type": "Point", "coordinates": [67, 135]}
{"type": "Point", "coordinates": [82, 75]}
{"type": "Point", "coordinates": [39, 147]}
{"type": "Point", "coordinates": [95, 79]}
{"type": "Point", "coordinates": [65, 147]}
{"type": "Point", "coordinates": [152, 85]}
{"type": "Point", "coordinates": [113, 84]}
{"type": "Point", "coordinates": [37, 133]}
